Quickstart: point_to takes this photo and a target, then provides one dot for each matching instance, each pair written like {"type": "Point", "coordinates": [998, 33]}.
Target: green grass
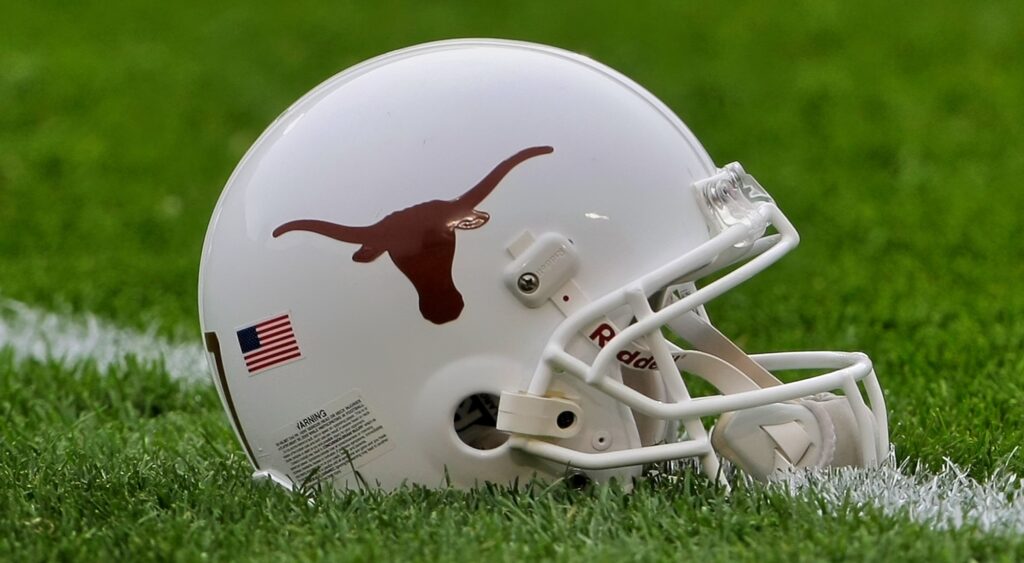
{"type": "Point", "coordinates": [891, 134]}
{"type": "Point", "coordinates": [129, 465]}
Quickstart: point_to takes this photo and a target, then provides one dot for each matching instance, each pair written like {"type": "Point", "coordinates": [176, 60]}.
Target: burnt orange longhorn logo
{"type": "Point", "coordinates": [421, 239]}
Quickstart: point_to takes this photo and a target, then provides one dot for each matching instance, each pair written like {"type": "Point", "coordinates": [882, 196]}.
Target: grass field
{"type": "Point", "coordinates": [892, 134]}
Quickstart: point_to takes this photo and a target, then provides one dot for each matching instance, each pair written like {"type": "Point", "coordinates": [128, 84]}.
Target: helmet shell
{"type": "Point", "coordinates": [380, 377]}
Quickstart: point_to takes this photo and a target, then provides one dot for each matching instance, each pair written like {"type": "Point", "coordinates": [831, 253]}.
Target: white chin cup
{"type": "Point", "coordinates": [816, 431]}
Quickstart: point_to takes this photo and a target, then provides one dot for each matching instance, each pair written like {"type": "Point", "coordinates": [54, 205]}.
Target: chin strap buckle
{"type": "Point", "coordinates": [549, 417]}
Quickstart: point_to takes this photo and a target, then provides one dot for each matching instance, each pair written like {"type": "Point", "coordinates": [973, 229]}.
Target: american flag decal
{"type": "Point", "coordinates": [269, 343]}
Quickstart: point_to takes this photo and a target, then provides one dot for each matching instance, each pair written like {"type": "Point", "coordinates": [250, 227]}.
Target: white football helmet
{"type": "Point", "coordinates": [456, 263]}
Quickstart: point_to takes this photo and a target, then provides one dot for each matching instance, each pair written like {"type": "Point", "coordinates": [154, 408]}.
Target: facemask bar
{"type": "Point", "coordinates": [740, 210]}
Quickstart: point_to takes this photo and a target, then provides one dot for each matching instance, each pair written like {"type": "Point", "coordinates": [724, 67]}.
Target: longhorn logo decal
{"type": "Point", "coordinates": [421, 239]}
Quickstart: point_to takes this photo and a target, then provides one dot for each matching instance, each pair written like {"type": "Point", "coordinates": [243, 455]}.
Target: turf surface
{"type": "Point", "coordinates": [891, 134]}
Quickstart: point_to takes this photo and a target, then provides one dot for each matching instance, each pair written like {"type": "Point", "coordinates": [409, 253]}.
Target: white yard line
{"type": "Point", "coordinates": [948, 499]}
{"type": "Point", "coordinates": [44, 336]}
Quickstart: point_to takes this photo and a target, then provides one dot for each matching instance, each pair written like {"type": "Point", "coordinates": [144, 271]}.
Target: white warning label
{"type": "Point", "coordinates": [337, 438]}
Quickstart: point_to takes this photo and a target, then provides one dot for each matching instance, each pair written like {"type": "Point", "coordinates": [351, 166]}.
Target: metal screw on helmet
{"type": "Point", "coordinates": [528, 283]}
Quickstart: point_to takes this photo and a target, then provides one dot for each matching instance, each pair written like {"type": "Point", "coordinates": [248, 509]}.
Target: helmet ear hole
{"type": "Point", "coordinates": [475, 419]}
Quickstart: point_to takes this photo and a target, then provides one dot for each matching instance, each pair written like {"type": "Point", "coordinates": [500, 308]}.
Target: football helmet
{"type": "Point", "coordinates": [480, 261]}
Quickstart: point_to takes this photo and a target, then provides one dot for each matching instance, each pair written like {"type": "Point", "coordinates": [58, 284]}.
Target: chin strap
{"type": "Point", "coordinates": [816, 431]}
{"type": "Point", "coordinates": [706, 338]}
